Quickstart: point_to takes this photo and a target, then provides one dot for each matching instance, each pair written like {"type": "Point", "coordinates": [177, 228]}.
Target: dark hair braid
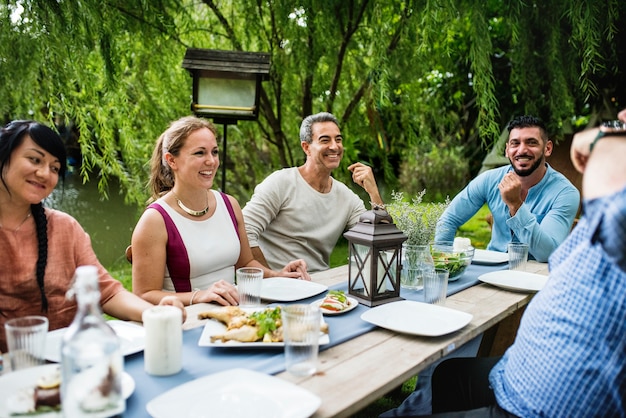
{"type": "Point", "coordinates": [41, 224]}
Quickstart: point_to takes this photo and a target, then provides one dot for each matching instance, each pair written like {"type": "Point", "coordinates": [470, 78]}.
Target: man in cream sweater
{"type": "Point", "coordinates": [300, 212]}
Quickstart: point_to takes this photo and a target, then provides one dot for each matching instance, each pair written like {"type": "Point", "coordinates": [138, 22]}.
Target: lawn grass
{"type": "Point", "coordinates": [476, 229]}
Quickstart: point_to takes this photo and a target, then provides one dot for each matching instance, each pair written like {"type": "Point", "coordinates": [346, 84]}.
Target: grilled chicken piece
{"type": "Point", "coordinates": [226, 314]}
{"type": "Point", "coordinates": [244, 334]}
{"type": "Point", "coordinates": [240, 327]}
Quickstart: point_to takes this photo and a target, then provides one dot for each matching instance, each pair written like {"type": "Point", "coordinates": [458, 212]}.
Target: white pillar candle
{"type": "Point", "coordinates": [163, 353]}
{"type": "Point", "coordinates": [461, 244]}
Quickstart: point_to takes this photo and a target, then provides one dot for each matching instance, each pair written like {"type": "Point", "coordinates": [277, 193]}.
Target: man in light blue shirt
{"type": "Point", "coordinates": [530, 201]}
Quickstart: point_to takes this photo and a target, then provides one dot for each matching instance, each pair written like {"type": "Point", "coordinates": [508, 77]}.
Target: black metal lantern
{"type": "Point", "coordinates": [375, 258]}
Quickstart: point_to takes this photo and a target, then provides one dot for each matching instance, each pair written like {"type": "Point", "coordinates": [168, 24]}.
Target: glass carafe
{"type": "Point", "coordinates": [91, 360]}
{"type": "Point", "coordinates": [416, 260]}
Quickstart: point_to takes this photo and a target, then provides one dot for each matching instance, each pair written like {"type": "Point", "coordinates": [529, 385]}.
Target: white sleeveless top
{"type": "Point", "coordinates": [212, 246]}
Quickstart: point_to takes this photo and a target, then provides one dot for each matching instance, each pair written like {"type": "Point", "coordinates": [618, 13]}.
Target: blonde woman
{"type": "Point", "coordinates": [191, 238]}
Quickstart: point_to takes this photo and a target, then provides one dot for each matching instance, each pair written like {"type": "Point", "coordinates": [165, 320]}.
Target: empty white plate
{"type": "Point", "coordinates": [417, 318]}
{"type": "Point", "coordinates": [488, 257]}
{"type": "Point", "coordinates": [235, 393]}
{"type": "Point", "coordinates": [132, 339]}
{"type": "Point", "coordinates": [515, 280]}
{"type": "Point", "coordinates": [282, 289]}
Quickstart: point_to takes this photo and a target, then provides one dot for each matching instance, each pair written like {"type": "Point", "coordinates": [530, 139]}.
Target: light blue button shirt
{"type": "Point", "coordinates": [569, 357]}
{"type": "Point", "coordinates": [543, 221]}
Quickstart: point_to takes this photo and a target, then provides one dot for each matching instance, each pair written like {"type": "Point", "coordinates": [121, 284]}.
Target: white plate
{"type": "Point", "coordinates": [352, 303]}
{"type": "Point", "coordinates": [235, 393]}
{"type": "Point", "coordinates": [282, 289]}
{"type": "Point", "coordinates": [488, 257]}
{"type": "Point", "coordinates": [417, 318]}
{"type": "Point", "coordinates": [515, 280]}
{"type": "Point", "coordinates": [21, 380]}
{"type": "Point", "coordinates": [132, 339]}
{"type": "Point", "coordinates": [215, 327]}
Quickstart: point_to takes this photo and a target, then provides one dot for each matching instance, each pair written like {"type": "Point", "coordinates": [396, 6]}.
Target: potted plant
{"type": "Point", "coordinates": [418, 221]}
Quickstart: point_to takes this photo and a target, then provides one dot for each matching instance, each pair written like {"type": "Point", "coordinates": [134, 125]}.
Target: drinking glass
{"type": "Point", "coordinates": [301, 334]}
{"type": "Point", "coordinates": [436, 286]}
{"type": "Point", "coordinates": [518, 256]}
{"type": "Point", "coordinates": [249, 281]}
{"type": "Point", "coordinates": [26, 341]}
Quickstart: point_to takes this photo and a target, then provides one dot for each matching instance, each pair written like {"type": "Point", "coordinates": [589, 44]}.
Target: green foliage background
{"type": "Point", "coordinates": [421, 87]}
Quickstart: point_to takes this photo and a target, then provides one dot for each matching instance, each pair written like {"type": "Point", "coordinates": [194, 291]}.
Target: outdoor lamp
{"type": "Point", "coordinates": [375, 258]}
{"type": "Point", "coordinates": [226, 86]}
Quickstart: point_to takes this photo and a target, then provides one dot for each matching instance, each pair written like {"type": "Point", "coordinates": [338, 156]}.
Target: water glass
{"type": "Point", "coordinates": [436, 286]}
{"type": "Point", "coordinates": [26, 341]}
{"type": "Point", "coordinates": [249, 281]}
{"type": "Point", "coordinates": [301, 334]}
{"type": "Point", "coordinates": [518, 256]}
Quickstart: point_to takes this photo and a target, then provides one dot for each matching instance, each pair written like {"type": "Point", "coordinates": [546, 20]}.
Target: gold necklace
{"type": "Point", "coordinates": [21, 223]}
{"type": "Point", "coordinates": [192, 212]}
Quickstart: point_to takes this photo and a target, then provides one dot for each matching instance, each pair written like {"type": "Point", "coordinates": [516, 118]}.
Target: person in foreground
{"type": "Point", "coordinates": [191, 239]}
{"type": "Point", "coordinates": [42, 247]}
{"type": "Point", "coordinates": [568, 358]}
{"type": "Point", "coordinates": [530, 201]}
{"type": "Point", "coordinates": [300, 212]}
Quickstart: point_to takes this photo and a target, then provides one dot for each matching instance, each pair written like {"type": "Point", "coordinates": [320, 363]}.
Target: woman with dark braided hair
{"type": "Point", "coordinates": [41, 247]}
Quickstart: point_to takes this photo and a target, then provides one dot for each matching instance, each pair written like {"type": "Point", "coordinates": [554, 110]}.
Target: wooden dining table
{"type": "Point", "coordinates": [355, 373]}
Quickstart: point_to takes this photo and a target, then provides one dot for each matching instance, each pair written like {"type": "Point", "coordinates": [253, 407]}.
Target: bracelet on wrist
{"type": "Point", "coordinates": [193, 295]}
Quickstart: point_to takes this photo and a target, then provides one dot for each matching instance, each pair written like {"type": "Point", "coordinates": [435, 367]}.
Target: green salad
{"type": "Point", "coordinates": [455, 263]}
{"type": "Point", "coordinates": [268, 320]}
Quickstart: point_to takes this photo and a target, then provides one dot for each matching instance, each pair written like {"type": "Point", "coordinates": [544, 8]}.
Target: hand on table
{"type": "Point", "coordinates": [296, 269]}
{"type": "Point", "coordinates": [221, 292]}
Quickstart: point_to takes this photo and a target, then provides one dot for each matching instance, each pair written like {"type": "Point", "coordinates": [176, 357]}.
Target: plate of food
{"type": "Point", "coordinates": [283, 289]}
{"type": "Point", "coordinates": [417, 318]}
{"type": "Point", "coordinates": [235, 393]}
{"type": "Point", "coordinates": [516, 280]}
{"type": "Point", "coordinates": [231, 326]}
{"type": "Point", "coordinates": [36, 392]}
{"type": "Point", "coordinates": [335, 303]}
{"type": "Point", "coordinates": [489, 258]}
{"type": "Point", "coordinates": [132, 339]}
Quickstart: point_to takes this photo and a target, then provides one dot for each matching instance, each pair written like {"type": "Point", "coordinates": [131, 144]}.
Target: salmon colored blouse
{"type": "Point", "coordinates": [69, 246]}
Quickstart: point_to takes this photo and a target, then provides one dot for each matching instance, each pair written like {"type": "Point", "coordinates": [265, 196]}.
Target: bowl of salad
{"type": "Point", "coordinates": [453, 258]}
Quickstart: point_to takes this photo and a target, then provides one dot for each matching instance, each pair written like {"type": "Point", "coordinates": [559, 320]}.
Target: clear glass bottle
{"type": "Point", "coordinates": [91, 359]}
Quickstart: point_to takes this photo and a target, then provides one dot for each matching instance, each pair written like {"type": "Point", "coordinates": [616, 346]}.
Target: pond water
{"type": "Point", "coordinates": [109, 223]}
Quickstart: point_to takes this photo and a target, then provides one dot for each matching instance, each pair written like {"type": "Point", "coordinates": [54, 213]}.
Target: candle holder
{"type": "Point", "coordinates": [375, 258]}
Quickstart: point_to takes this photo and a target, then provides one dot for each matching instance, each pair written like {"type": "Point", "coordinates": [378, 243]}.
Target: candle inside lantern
{"type": "Point", "coordinates": [164, 340]}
